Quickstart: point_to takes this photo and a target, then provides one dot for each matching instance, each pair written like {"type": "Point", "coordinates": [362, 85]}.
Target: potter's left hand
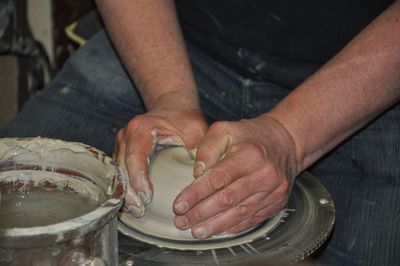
{"type": "Point", "coordinates": [244, 173]}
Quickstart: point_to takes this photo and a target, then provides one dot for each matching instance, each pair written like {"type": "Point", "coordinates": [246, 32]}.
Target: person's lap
{"type": "Point", "coordinates": [92, 98]}
{"type": "Point", "coordinates": [363, 176]}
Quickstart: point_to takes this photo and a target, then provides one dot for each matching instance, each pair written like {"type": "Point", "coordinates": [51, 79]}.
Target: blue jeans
{"type": "Point", "coordinates": [93, 97]}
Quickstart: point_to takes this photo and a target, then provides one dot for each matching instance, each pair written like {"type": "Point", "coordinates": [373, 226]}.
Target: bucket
{"type": "Point", "coordinates": [58, 203]}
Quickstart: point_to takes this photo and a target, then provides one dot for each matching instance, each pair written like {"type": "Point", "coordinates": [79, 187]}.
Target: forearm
{"type": "Point", "coordinates": [147, 36]}
{"type": "Point", "coordinates": [349, 91]}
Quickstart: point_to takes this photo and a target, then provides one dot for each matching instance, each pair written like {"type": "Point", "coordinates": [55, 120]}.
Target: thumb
{"type": "Point", "coordinates": [212, 148]}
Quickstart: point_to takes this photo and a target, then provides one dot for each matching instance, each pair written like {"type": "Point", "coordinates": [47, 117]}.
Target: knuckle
{"type": "Point", "coordinates": [266, 178]}
{"type": "Point", "coordinates": [136, 122]}
{"type": "Point", "coordinates": [255, 151]}
{"type": "Point", "coordinates": [219, 179]}
{"type": "Point", "coordinates": [199, 127]}
{"type": "Point", "coordinates": [269, 178]}
{"type": "Point", "coordinates": [226, 198]}
{"type": "Point", "coordinates": [192, 192]}
{"type": "Point", "coordinates": [220, 126]}
{"type": "Point", "coordinates": [132, 156]}
{"type": "Point", "coordinates": [205, 151]}
{"type": "Point", "coordinates": [244, 210]}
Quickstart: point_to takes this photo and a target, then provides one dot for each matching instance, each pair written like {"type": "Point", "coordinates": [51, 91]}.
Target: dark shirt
{"type": "Point", "coordinates": [283, 41]}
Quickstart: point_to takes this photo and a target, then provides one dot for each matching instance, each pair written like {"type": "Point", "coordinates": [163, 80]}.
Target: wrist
{"type": "Point", "coordinates": [175, 100]}
{"type": "Point", "coordinates": [290, 139]}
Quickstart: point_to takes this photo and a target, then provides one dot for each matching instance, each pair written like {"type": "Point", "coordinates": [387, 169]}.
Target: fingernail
{"type": "Point", "coordinates": [199, 168]}
{"type": "Point", "coordinates": [137, 211]}
{"type": "Point", "coordinates": [181, 222]}
{"type": "Point", "coordinates": [181, 206]}
{"type": "Point", "coordinates": [200, 232]}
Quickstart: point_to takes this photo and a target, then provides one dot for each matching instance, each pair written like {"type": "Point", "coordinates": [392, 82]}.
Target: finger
{"type": "Point", "coordinates": [211, 148]}
{"type": "Point", "coordinates": [140, 145]}
{"type": "Point", "coordinates": [241, 212]}
{"type": "Point", "coordinates": [221, 175]}
{"type": "Point", "coordinates": [132, 202]}
{"type": "Point", "coordinates": [241, 160]}
{"type": "Point", "coordinates": [227, 198]}
{"type": "Point", "coordinates": [274, 202]}
{"type": "Point", "coordinates": [222, 222]}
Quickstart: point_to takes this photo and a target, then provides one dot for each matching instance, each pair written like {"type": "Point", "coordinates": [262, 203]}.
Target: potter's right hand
{"type": "Point", "coordinates": [136, 142]}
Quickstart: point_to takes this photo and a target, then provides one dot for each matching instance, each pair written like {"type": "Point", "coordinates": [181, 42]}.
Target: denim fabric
{"type": "Point", "coordinates": [92, 98]}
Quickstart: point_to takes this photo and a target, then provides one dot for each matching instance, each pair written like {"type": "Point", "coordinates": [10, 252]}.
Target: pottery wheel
{"type": "Point", "coordinates": [294, 233]}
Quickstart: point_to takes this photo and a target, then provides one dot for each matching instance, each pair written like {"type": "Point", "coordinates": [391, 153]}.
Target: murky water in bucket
{"type": "Point", "coordinates": [38, 198]}
{"type": "Point", "coordinates": [40, 207]}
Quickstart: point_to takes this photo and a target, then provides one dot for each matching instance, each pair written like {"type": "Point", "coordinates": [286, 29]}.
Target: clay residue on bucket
{"type": "Point", "coordinates": [52, 181]}
{"type": "Point", "coordinates": [57, 199]}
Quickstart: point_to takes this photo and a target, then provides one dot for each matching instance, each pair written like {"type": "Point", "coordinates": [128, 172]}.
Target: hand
{"type": "Point", "coordinates": [244, 173]}
{"type": "Point", "coordinates": [136, 142]}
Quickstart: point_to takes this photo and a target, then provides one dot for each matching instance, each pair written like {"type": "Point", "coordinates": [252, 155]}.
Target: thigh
{"type": "Point", "coordinates": [88, 101]}
{"type": "Point", "coordinates": [363, 176]}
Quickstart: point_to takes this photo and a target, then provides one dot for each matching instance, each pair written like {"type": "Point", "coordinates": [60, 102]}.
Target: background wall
{"type": "Point", "coordinates": [8, 89]}
{"type": "Point", "coordinates": [47, 20]}
{"type": "Point", "coordinates": [40, 19]}
{"type": "Point", "coordinates": [39, 15]}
